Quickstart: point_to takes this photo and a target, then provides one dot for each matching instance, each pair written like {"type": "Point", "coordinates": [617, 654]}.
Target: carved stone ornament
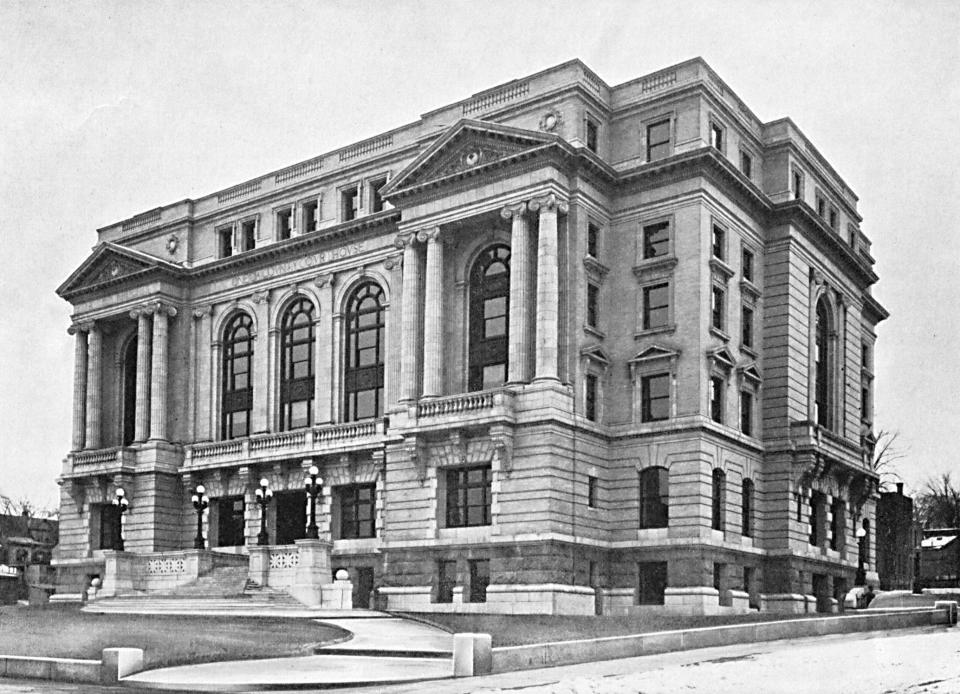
{"type": "Point", "coordinates": [112, 270]}
{"type": "Point", "coordinates": [416, 450]}
{"type": "Point", "coordinates": [551, 121]}
{"type": "Point", "coordinates": [502, 440]}
{"type": "Point", "coordinates": [173, 242]}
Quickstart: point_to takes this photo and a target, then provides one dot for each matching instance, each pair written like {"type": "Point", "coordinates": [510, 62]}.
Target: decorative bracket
{"type": "Point", "coordinates": [416, 449]}
{"type": "Point", "coordinates": [502, 439]}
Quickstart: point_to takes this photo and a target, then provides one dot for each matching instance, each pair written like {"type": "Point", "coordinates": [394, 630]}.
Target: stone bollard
{"type": "Point", "coordinates": [472, 655]}
{"type": "Point", "coordinates": [120, 662]}
{"type": "Point", "coordinates": [951, 607]}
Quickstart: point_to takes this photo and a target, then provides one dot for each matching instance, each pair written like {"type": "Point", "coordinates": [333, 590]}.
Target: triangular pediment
{"type": "Point", "coordinates": [110, 263]}
{"type": "Point", "coordinates": [466, 147]}
{"type": "Point", "coordinates": [596, 353]}
{"type": "Point", "coordinates": [750, 372]}
{"type": "Point", "coordinates": [653, 353]}
{"type": "Point", "coordinates": [723, 358]}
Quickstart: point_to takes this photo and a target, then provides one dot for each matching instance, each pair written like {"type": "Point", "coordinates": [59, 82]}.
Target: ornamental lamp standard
{"type": "Point", "coordinates": [313, 485]}
{"type": "Point", "coordinates": [122, 504]}
{"type": "Point", "coordinates": [200, 503]}
{"type": "Point", "coordinates": [264, 494]}
{"type": "Point", "coordinates": [861, 577]}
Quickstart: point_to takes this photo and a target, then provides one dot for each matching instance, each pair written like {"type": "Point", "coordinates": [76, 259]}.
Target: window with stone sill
{"type": "Point", "coordinates": [468, 496]}
{"type": "Point", "coordinates": [797, 181]}
{"type": "Point", "coordinates": [446, 579]}
{"type": "Point", "coordinates": [593, 240]}
{"type": "Point", "coordinates": [225, 241]}
{"type": "Point", "coordinates": [248, 235]}
{"type": "Point", "coordinates": [818, 516]}
{"type": "Point", "coordinates": [311, 215]}
{"type": "Point", "coordinates": [746, 412]}
{"type": "Point", "coordinates": [746, 326]}
{"type": "Point", "coordinates": [356, 511]}
{"type": "Point", "coordinates": [591, 491]}
{"type": "Point", "coordinates": [656, 306]}
{"type": "Point", "coordinates": [821, 206]}
{"type": "Point", "coordinates": [719, 496]}
{"type": "Point", "coordinates": [376, 202]}
{"type": "Point", "coordinates": [833, 217]}
{"type": "Point", "coordinates": [284, 223]}
{"type": "Point", "coordinates": [656, 240]}
{"type": "Point", "coordinates": [364, 353]}
{"type": "Point", "coordinates": [593, 306]}
{"type": "Point", "coordinates": [747, 264]}
{"type": "Point", "coordinates": [237, 378]}
{"type": "Point", "coordinates": [590, 397]}
{"type": "Point", "coordinates": [717, 136]}
{"type": "Point", "coordinates": [296, 365]}
{"type": "Point", "coordinates": [718, 308]}
{"type": "Point", "coordinates": [658, 139]}
{"type": "Point", "coordinates": [746, 164]}
{"type": "Point", "coordinates": [718, 387]}
{"type": "Point", "coordinates": [655, 397]}
{"type": "Point", "coordinates": [719, 242]}
{"type": "Point", "coordinates": [654, 497]}
{"type": "Point", "coordinates": [746, 513]}
{"type": "Point", "coordinates": [592, 133]}
{"type": "Point", "coordinates": [349, 203]}
{"type": "Point", "coordinates": [838, 524]}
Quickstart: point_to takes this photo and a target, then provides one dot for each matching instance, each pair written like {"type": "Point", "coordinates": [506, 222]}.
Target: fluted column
{"type": "Point", "coordinates": [158, 372]}
{"type": "Point", "coordinates": [323, 356]}
{"type": "Point", "coordinates": [94, 355]}
{"type": "Point", "coordinates": [142, 428]}
{"type": "Point", "coordinates": [519, 331]}
{"type": "Point", "coordinates": [410, 317]}
{"type": "Point", "coordinates": [433, 314]}
{"type": "Point", "coordinates": [79, 386]}
{"type": "Point", "coordinates": [548, 287]}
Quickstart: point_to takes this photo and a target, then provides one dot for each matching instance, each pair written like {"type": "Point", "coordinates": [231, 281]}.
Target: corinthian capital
{"type": "Point", "coordinates": [514, 210]}
{"type": "Point", "coordinates": [549, 203]}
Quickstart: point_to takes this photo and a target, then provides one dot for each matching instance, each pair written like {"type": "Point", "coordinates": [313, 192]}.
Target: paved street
{"type": "Point", "coordinates": [916, 661]}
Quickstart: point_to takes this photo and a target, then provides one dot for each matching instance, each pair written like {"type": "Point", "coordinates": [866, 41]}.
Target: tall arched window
{"type": "Point", "coordinates": [489, 321]}
{"type": "Point", "coordinates": [719, 494]}
{"type": "Point", "coordinates": [654, 497]}
{"type": "Point", "coordinates": [237, 399]}
{"type": "Point", "coordinates": [296, 365]}
{"type": "Point", "coordinates": [822, 364]}
{"type": "Point", "coordinates": [129, 392]}
{"type": "Point", "coordinates": [747, 509]}
{"type": "Point", "coordinates": [363, 354]}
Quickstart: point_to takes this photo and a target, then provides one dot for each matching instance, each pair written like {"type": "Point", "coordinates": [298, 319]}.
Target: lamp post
{"type": "Point", "coordinates": [200, 503]}
{"type": "Point", "coordinates": [264, 494]}
{"type": "Point", "coordinates": [313, 485]}
{"type": "Point", "coordinates": [861, 578]}
{"type": "Point", "coordinates": [122, 504]}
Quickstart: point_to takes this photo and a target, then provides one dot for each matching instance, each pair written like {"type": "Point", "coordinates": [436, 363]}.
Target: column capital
{"type": "Point", "coordinates": [264, 296]}
{"type": "Point", "coordinates": [549, 203]}
{"type": "Point", "coordinates": [392, 261]}
{"type": "Point", "coordinates": [430, 234]}
{"type": "Point", "coordinates": [325, 280]}
{"type": "Point", "coordinates": [200, 311]}
{"type": "Point", "coordinates": [405, 239]}
{"type": "Point", "coordinates": [82, 327]}
{"type": "Point", "coordinates": [513, 210]}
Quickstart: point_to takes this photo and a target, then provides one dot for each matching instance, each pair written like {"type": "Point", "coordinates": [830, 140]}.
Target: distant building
{"type": "Point", "coordinates": [940, 558]}
{"type": "Point", "coordinates": [559, 346]}
{"type": "Point", "coordinates": [26, 548]}
{"type": "Point", "coordinates": [898, 540]}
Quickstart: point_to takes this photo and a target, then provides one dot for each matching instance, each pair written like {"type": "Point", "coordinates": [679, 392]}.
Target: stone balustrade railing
{"type": "Point", "coordinates": [467, 403]}
{"type": "Point", "coordinates": [103, 459]}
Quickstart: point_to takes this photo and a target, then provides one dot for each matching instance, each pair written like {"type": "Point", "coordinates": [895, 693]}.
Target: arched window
{"type": "Point", "coordinates": [719, 493]}
{"type": "Point", "coordinates": [296, 365]}
{"type": "Point", "coordinates": [748, 506]}
{"type": "Point", "coordinates": [130, 392]}
{"type": "Point", "coordinates": [822, 364]}
{"type": "Point", "coordinates": [363, 354]}
{"type": "Point", "coordinates": [489, 321]}
{"type": "Point", "coordinates": [237, 400]}
{"type": "Point", "coordinates": [654, 497]}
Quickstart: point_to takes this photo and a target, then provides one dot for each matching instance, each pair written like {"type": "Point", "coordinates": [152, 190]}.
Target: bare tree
{"type": "Point", "coordinates": [938, 503]}
{"type": "Point", "coordinates": [885, 454]}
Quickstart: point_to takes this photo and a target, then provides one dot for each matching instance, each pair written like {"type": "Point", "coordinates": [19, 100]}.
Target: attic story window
{"type": "Point", "coordinates": [376, 202]}
{"type": "Point", "coordinates": [284, 219]}
{"type": "Point", "coordinates": [311, 216]}
{"type": "Point", "coordinates": [349, 203]}
{"type": "Point", "coordinates": [225, 241]}
{"type": "Point", "coordinates": [592, 132]}
{"type": "Point", "coordinates": [248, 235]}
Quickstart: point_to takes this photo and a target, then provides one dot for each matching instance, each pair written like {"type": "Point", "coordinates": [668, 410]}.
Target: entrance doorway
{"type": "Point", "coordinates": [363, 587]}
{"type": "Point", "coordinates": [230, 530]}
{"type": "Point", "coordinates": [109, 526]}
{"type": "Point", "coordinates": [291, 517]}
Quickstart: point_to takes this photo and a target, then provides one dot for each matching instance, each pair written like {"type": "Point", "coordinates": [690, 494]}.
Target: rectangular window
{"type": "Point", "coordinates": [746, 324]}
{"type": "Point", "coordinates": [865, 355]}
{"type": "Point", "coordinates": [651, 582]}
{"type": "Point", "coordinates": [797, 185]}
{"type": "Point", "coordinates": [654, 498]}
{"type": "Point", "coordinates": [821, 207]}
{"type": "Point", "coordinates": [747, 265]}
{"type": "Point", "coordinates": [225, 241]}
{"type": "Point", "coordinates": [853, 237]}
{"type": "Point", "coordinates": [865, 404]}
{"type": "Point", "coordinates": [376, 202]}
{"type": "Point", "coordinates": [357, 504]}
{"type": "Point", "coordinates": [468, 496]}
{"type": "Point", "coordinates": [592, 491]}
{"type": "Point", "coordinates": [817, 512]}
{"type": "Point", "coordinates": [658, 140]}
{"type": "Point", "coordinates": [479, 579]}
{"type": "Point", "coordinates": [655, 398]}
{"type": "Point", "coordinates": [349, 203]}
{"type": "Point", "coordinates": [446, 580]}
{"type": "Point", "coordinates": [593, 305]}
{"type": "Point", "coordinates": [837, 524]}
{"type": "Point", "coordinates": [590, 404]}
{"type": "Point", "coordinates": [746, 164]}
{"type": "Point", "coordinates": [656, 240]}
{"type": "Point", "coordinates": [717, 300]}
{"type": "Point", "coordinates": [716, 136]}
{"type": "Point", "coordinates": [311, 216]}
{"type": "Point", "coordinates": [717, 386]}
{"type": "Point", "coordinates": [248, 235]}
{"type": "Point", "coordinates": [284, 223]}
{"type": "Point", "coordinates": [833, 218]}
{"type": "Point", "coordinates": [719, 238]}
{"type": "Point", "coordinates": [656, 306]}
{"type": "Point", "coordinates": [592, 130]}
{"type": "Point", "coordinates": [746, 412]}
{"type": "Point", "coordinates": [593, 240]}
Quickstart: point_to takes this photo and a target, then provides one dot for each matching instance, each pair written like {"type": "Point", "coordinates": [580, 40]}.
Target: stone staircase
{"type": "Point", "coordinates": [223, 590]}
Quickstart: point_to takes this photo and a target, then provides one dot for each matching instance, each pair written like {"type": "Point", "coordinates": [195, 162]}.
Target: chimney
{"type": "Point", "coordinates": [900, 488]}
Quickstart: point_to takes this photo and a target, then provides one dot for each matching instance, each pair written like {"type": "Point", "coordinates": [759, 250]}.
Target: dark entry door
{"type": "Point", "coordinates": [109, 526]}
{"type": "Point", "coordinates": [363, 587]}
{"type": "Point", "coordinates": [291, 517]}
{"type": "Point", "coordinates": [230, 522]}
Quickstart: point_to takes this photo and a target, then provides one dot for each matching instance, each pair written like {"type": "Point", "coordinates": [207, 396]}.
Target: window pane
{"type": "Point", "coordinates": [494, 375]}
{"type": "Point", "coordinates": [658, 133]}
{"type": "Point", "coordinates": [494, 327]}
{"type": "Point", "coordinates": [366, 404]}
{"type": "Point", "coordinates": [656, 240]}
{"type": "Point", "coordinates": [495, 307]}
{"type": "Point", "coordinates": [299, 414]}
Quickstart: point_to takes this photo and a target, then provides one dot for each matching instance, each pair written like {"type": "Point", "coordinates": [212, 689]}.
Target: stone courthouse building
{"type": "Point", "coordinates": [558, 347]}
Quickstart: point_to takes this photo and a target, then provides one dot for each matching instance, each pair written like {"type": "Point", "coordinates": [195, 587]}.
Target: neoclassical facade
{"type": "Point", "coordinates": [558, 347]}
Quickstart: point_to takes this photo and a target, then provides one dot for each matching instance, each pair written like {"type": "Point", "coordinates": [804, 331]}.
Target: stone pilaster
{"type": "Point", "coordinates": [158, 372]}
{"type": "Point", "coordinates": [548, 287]}
{"type": "Point", "coordinates": [199, 402]}
{"type": "Point", "coordinates": [79, 386]}
{"type": "Point", "coordinates": [142, 428]}
{"type": "Point", "coordinates": [433, 314]}
{"type": "Point", "coordinates": [519, 332]}
{"type": "Point", "coordinates": [323, 356]}
{"type": "Point", "coordinates": [93, 414]}
{"type": "Point", "coordinates": [391, 385]}
{"type": "Point", "coordinates": [261, 416]}
{"type": "Point", "coordinates": [410, 317]}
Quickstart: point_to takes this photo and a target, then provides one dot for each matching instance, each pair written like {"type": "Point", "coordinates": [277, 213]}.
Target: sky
{"type": "Point", "coordinates": [108, 109]}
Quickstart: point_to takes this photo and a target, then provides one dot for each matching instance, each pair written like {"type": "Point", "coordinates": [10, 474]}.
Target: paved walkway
{"type": "Point", "coordinates": [383, 650]}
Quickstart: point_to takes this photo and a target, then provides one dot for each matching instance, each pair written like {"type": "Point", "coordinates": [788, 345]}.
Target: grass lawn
{"type": "Point", "coordinates": [66, 632]}
{"type": "Point", "coordinates": [519, 630]}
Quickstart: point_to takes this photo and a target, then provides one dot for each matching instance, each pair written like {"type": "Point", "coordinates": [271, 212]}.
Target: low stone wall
{"type": "Point", "coordinates": [116, 663]}
{"type": "Point", "coordinates": [510, 658]}
{"type": "Point", "coordinates": [546, 598]}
